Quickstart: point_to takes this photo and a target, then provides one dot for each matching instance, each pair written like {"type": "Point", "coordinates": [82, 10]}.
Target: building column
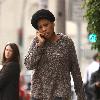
{"type": "Point", "coordinates": [58, 9]}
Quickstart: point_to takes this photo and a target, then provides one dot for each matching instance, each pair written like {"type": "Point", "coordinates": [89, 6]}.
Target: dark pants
{"type": "Point", "coordinates": [56, 98]}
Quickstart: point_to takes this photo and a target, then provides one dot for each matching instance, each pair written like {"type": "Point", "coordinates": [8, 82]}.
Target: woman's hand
{"type": "Point", "coordinates": [40, 39]}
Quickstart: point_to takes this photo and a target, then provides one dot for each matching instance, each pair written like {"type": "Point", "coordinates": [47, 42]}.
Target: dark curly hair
{"type": "Point", "coordinates": [41, 14]}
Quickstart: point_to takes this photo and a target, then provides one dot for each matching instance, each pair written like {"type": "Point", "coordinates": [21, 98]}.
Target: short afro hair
{"type": "Point", "coordinates": [41, 14]}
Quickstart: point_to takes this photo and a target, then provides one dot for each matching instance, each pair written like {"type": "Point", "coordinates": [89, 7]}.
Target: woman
{"type": "Point", "coordinates": [52, 57]}
{"type": "Point", "coordinates": [10, 73]}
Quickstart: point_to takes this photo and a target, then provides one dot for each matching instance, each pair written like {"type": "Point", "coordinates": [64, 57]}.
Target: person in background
{"type": "Point", "coordinates": [95, 84]}
{"type": "Point", "coordinates": [94, 66]}
{"type": "Point", "coordinates": [10, 73]}
{"type": "Point", "coordinates": [52, 56]}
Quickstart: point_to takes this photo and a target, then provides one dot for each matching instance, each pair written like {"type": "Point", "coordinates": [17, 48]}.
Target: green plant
{"type": "Point", "coordinates": [92, 16]}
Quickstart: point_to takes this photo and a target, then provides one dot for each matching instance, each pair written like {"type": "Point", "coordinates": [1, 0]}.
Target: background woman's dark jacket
{"type": "Point", "coordinates": [9, 81]}
{"type": "Point", "coordinates": [95, 77]}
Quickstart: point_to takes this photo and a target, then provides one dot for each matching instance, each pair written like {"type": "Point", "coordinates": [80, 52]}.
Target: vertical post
{"type": "Point", "coordinates": [61, 16]}
{"type": "Point", "coordinates": [79, 41]}
{"type": "Point", "coordinates": [1, 1]}
{"type": "Point", "coordinates": [0, 16]}
{"type": "Point", "coordinates": [69, 10]}
{"type": "Point", "coordinates": [77, 18]}
{"type": "Point", "coordinates": [20, 31]}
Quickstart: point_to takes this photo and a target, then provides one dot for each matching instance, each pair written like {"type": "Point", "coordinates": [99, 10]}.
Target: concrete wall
{"type": "Point", "coordinates": [10, 15]}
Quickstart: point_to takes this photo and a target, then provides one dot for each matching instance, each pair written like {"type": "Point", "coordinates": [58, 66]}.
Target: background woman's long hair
{"type": "Point", "coordinates": [15, 56]}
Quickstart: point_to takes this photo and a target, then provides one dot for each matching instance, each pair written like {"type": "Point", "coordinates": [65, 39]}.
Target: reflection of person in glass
{"type": "Point", "coordinates": [10, 73]}
{"type": "Point", "coordinates": [52, 56]}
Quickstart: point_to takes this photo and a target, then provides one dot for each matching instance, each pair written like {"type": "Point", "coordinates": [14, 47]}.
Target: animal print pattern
{"type": "Point", "coordinates": [53, 64]}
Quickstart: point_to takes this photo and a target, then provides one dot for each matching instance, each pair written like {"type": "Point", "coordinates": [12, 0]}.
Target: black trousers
{"type": "Point", "coordinates": [56, 98]}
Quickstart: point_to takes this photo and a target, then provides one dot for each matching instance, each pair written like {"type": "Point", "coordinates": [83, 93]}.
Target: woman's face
{"type": "Point", "coordinates": [8, 52]}
{"type": "Point", "coordinates": [46, 28]}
